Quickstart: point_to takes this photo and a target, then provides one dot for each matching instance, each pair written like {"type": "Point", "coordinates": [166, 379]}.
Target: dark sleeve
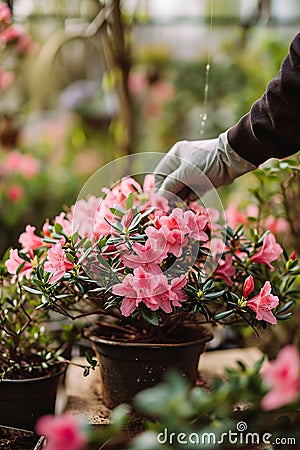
{"type": "Point", "coordinates": [272, 127]}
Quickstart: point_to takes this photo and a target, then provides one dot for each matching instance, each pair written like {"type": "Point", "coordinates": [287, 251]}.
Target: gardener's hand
{"type": "Point", "coordinates": [191, 168]}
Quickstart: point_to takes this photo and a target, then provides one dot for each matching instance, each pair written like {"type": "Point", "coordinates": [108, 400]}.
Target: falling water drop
{"type": "Point", "coordinates": [203, 115]}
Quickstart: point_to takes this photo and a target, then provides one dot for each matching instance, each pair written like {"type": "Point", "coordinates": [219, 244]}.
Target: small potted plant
{"type": "Point", "coordinates": [32, 359]}
{"type": "Point", "coordinates": [155, 275]}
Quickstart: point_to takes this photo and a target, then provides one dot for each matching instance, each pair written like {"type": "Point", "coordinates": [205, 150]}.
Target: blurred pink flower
{"type": "Point", "coordinates": [17, 35]}
{"type": "Point", "coordinates": [15, 193]}
{"type": "Point", "coordinates": [137, 82]}
{"type": "Point", "coordinates": [161, 92]}
{"type": "Point", "coordinates": [217, 246]}
{"type": "Point", "coordinates": [269, 252]}
{"type": "Point", "coordinates": [13, 263]}
{"type": "Point", "coordinates": [64, 432]}
{"type": "Point", "coordinates": [57, 263]}
{"type": "Point", "coordinates": [234, 217]}
{"type": "Point", "coordinates": [24, 164]}
{"type": "Point", "coordinates": [149, 182]}
{"type": "Point", "coordinates": [6, 77]}
{"type": "Point", "coordinates": [11, 33]}
{"type": "Point", "coordinates": [5, 13]}
{"type": "Point", "coordinates": [262, 304]}
{"type": "Point", "coordinates": [277, 225]}
{"type": "Point", "coordinates": [29, 240]}
{"type": "Point", "coordinates": [283, 377]}
{"type": "Point", "coordinates": [225, 270]}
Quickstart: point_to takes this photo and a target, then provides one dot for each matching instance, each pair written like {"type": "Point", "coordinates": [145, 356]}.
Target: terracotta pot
{"type": "Point", "coordinates": [23, 401]}
{"type": "Point", "coordinates": [128, 367]}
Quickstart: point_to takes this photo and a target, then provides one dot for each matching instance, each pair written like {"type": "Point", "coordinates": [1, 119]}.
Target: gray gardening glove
{"type": "Point", "coordinates": [192, 168]}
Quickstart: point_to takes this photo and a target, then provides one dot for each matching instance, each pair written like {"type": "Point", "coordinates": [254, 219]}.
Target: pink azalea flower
{"type": "Point", "coordinates": [65, 220]}
{"type": "Point", "coordinates": [196, 223]}
{"type": "Point", "coordinates": [116, 197]}
{"type": "Point", "coordinates": [269, 252]}
{"type": "Point", "coordinates": [29, 240]}
{"type": "Point", "coordinates": [283, 377]}
{"type": "Point", "coordinates": [14, 262]}
{"type": "Point", "coordinates": [149, 255]}
{"type": "Point", "coordinates": [64, 432]}
{"type": "Point", "coordinates": [175, 230]}
{"type": "Point", "coordinates": [177, 295]}
{"type": "Point", "coordinates": [153, 290]}
{"type": "Point", "coordinates": [248, 286]}
{"type": "Point", "coordinates": [85, 217]}
{"type": "Point", "coordinates": [262, 304]}
{"type": "Point", "coordinates": [57, 263]}
{"type": "Point", "coordinates": [225, 270]}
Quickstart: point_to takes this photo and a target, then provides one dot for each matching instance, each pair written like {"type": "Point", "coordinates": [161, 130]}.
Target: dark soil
{"type": "Point", "coordinates": [14, 439]}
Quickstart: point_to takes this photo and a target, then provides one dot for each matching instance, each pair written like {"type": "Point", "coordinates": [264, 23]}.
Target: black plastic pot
{"type": "Point", "coordinates": [17, 439]}
{"type": "Point", "coordinates": [128, 368]}
{"type": "Point", "coordinates": [22, 402]}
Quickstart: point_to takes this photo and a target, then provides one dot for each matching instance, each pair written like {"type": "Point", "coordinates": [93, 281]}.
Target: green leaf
{"type": "Point", "coordinates": [58, 228]}
{"type": "Point", "coordinates": [20, 268]}
{"type": "Point", "coordinates": [74, 238]}
{"type": "Point", "coordinates": [88, 357]}
{"type": "Point", "coordinates": [285, 307]}
{"type": "Point", "coordinates": [119, 416]}
{"type": "Point", "coordinates": [149, 316]}
{"type": "Point", "coordinates": [284, 316]}
{"type": "Point", "coordinates": [212, 295]}
{"type": "Point", "coordinates": [223, 314]}
{"type": "Point", "coordinates": [70, 257]}
{"type": "Point", "coordinates": [117, 212]}
{"type": "Point", "coordinates": [135, 221]}
{"type": "Point", "coordinates": [130, 201]}
{"type": "Point", "coordinates": [31, 290]}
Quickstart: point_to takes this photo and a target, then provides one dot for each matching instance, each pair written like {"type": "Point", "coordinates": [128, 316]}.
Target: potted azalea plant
{"type": "Point", "coordinates": [155, 275]}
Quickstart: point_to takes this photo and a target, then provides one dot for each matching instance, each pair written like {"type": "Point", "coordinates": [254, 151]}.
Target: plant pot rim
{"type": "Point", "coordinates": [28, 380]}
{"type": "Point", "coordinates": [40, 440]}
{"type": "Point", "coordinates": [206, 337]}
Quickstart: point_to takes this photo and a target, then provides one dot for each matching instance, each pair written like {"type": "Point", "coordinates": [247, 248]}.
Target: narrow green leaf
{"type": "Point", "coordinates": [223, 314]}
{"type": "Point", "coordinates": [130, 201]}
